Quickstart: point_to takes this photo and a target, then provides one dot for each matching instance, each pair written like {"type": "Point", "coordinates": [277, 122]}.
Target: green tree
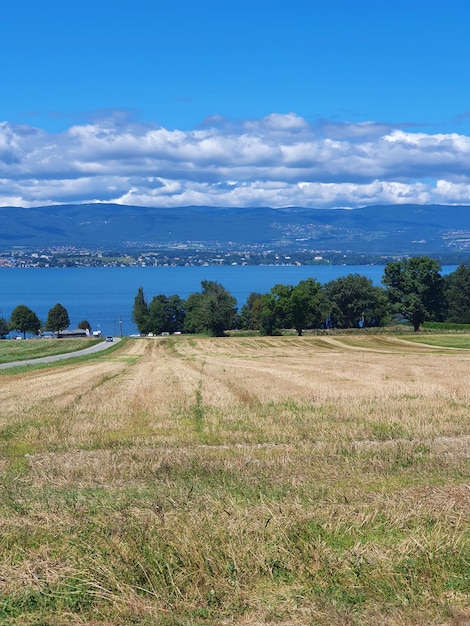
{"type": "Point", "coordinates": [4, 327]}
{"type": "Point", "coordinates": [250, 314]}
{"type": "Point", "coordinates": [140, 312]}
{"type": "Point", "coordinates": [176, 312]}
{"type": "Point", "coordinates": [24, 320]}
{"type": "Point", "coordinates": [415, 289]}
{"type": "Point", "coordinates": [269, 322]}
{"type": "Point", "coordinates": [306, 305]}
{"type": "Point", "coordinates": [166, 314]}
{"type": "Point", "coordinates": [211, 311]}
{"type": "Point", "coordinates": [354, 301]}
{"type": "Point", "coordinates": [276, 310]}
{"type": "Point", "coordinates": [157, 314]}
{"type": "Point", "coordinates": [296, 307]}
{"type": "Point", "coordinates": [84, 325]}
{"type": "Point", "coordinates": [57, 319]}
{"type": "Point", "coordinates": [457, 288]}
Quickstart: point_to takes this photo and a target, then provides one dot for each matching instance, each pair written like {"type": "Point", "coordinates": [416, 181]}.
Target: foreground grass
{"type": "Point", "coordinates": [35, 348]}
{"type": "Point", "coordinates": [73, 358]}
{"type": "Point", "coordinates": [242, 480]}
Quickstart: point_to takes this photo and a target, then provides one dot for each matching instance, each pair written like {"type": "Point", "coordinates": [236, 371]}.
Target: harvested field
{"type": "Point", "coordinates": [189, 480]}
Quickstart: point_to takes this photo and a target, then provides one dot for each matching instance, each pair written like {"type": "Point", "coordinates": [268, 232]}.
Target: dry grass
{"type": "Point", "coordinates": [289, 480]}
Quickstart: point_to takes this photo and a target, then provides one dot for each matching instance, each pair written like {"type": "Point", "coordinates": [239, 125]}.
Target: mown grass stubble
{"type": "Point", "coordinates": [250, 481]}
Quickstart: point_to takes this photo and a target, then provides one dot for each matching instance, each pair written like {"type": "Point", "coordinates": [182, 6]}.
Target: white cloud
{"type": "Point", "coordinates": [288, 122]}
{"type": "Point", "coordinates": [280, 160]}
{"type": "Point", "coordinates": [453, 193]}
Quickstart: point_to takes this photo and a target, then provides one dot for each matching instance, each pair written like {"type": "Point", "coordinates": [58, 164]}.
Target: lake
{"type": "Point", "coordinates": [105, 296]}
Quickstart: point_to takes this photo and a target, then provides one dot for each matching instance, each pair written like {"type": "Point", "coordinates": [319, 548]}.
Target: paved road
{"type": "Point", "coordinates": [59, 357]}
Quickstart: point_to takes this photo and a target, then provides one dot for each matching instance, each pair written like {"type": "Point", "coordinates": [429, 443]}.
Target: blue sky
{"type": "Point", "coordinates": [224, 103]}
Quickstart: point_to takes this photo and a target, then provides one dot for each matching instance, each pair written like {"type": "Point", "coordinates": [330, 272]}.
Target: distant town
{"type": "Point", "coordinates": [76, 257]}
{"type": "Point", "coordinates": [71, 256]}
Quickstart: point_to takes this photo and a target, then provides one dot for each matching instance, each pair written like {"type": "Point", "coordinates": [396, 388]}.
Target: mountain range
{"type": "Point", "coordinates": [374, 230]}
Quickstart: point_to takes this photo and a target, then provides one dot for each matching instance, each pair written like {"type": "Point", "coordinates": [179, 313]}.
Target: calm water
{"type": "Point", "coordinates": [105, 296]}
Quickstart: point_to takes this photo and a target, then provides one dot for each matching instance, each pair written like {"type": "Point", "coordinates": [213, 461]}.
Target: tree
{"type": "Point", "coordinates": [84, 325]}
{"type": "Point", "coordinates": [286, 307]}
{"type": "Point", "coordinates": [57, 319]}
{"type": "Point", "coordinates": [24, 320]}
{"type": "Point", "coordinates": [305, 305]}
{"type": "Point", "coordinates": [269, 319]}
{"type": "Point", "coordinates": [176, 313]}
{"type": "Point", "coordinates": [211, 311]}
{"type": "Point", "coordinates": [4, 327]}
{"type": "Point", "coordinates": [157, 314]}
{"type": "Point", "coordinates": [250, 314]}
{"type": "Point", "coordinates": [354, 301]}
{"type": "Point", "coordinates": [415, 289]}
{"type": "Point", "coordinates": [140, 312]}
{"type": "Point", "coordinates": [457, 288]}
{"type": "Point", "coordinates": [166, 314]}
{"type": "Point", "coordinates": [276, 310]}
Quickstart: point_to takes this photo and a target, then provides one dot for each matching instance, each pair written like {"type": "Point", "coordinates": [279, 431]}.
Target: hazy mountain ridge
{"type": "Point", "coordinates": [387, 230]}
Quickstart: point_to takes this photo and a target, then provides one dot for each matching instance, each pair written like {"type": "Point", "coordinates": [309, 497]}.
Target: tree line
{"type": "Point", "coordinates": [413, 290]}
{"type": "Point", "coordinates": [24, 320]}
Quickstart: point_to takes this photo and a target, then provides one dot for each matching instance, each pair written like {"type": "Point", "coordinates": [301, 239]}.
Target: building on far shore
{"type": "Point", "coordinates": [73, 333]}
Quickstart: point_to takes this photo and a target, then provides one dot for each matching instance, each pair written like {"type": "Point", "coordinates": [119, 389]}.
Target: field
{"type": "Point", "coordinates": [286, 480]}
{"type": "Point", "coordinates": [34, 348]}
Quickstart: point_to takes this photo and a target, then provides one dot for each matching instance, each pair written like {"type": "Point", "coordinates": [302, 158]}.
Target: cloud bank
{"type": "Point", "coordinates": [280, 160]}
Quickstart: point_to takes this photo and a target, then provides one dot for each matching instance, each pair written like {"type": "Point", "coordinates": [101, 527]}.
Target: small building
{"type": "Point", "coordinates": [73, 334]}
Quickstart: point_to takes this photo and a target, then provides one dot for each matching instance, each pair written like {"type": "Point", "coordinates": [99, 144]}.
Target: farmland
{"type": "Point", "coordinates": [248, 480]}
{"type": "Point", "coordinates": [11, 351]}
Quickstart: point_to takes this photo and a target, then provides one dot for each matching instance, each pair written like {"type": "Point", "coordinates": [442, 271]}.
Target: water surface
{"type": "Point", "coordinates": [105, 296]}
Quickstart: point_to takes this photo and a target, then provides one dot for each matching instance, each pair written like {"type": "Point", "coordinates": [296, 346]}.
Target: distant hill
{"type": "Point", "coordinates": [378, 230]}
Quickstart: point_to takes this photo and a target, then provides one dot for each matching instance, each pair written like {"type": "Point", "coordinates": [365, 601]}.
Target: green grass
{"type": "Point", "coordinates": [209, 546]}
{"type": "Point", "coordinates": [445, 340]}
{"type": "Point", "coordinates": [23, 350]}
{"type": "Point", "coordinates": [73, 360]}
{"type": "Point", "coordinates": [444, 326]}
